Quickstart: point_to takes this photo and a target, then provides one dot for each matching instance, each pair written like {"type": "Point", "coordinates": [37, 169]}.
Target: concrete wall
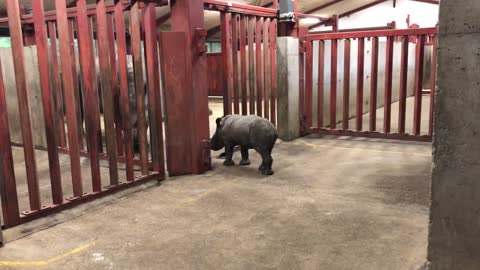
{"type": "Point", "coordinates": [454, 240]}
{"type": "Point", "coordinates": [353, 76]}
{"type": "Point", "coordinates": [34, 94]}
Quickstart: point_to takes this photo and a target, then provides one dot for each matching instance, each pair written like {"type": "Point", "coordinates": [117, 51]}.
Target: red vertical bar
{"type": "Point", "coordinates": [360, 78]}
{"type": "Point", "coordinates": [321, 83]}
{"type": "Point", "coordinates": [115, 84]}
{"type": "Point", "coordinates": [236, 100]}
{"type": "Point", "coordinates": [388, 85]}
{"type": "Point", "coordinates": [374, 85]}
{"type": "Point", "coordinates": [67, 61]}
{"type": "Point", "coordinates": [243, 55]}
{"type": "Point", "coordinates": [151, 50]}
{"type": "Point", "coordinates": [419, 59]}
{"type": "Point", "coordinates": [236, 107]}
{"type": "Point", "coordinates": [124, 95]}
{"type": "Point", "coordinates": [15, 28]}
{"type": "Point", "coordinates": [403, 85]}
{"type": "Point", "coordinates": [251, 63]}
{"type": "Point", "coordinates": [57, 87]}
{"type": "Point", "coordinates": [333, 85]}
{"type": "Point", "coordinates": [273, 70]}
{"type": "Point", "coordinates": [95, 84]}
{"type": "Point", "coordinates": [90, 90]}
{"type": "Point", "coordinates": [136, 42]}
{"type": "Point", "coordinates": [8, 189]}
{"type": "Point", "coordinates": [226, 55]}
{"type": "Point", "coordinates": [433, 77]}
{"type": "Point", "coordinates": [266, 70]}
{"type": "Point", "coordinates": [259, 65]}
{"type": "Point", "coordinates": [106, 77]}
{"type": "Point", "coordinates": [308, 84]}
{"type": "Point", "coordinates": [301, 83]}
{"type": "Point", "coordinates": [47, 98]}
{"type": "Point", "coordinates": [346, 84]}
{"type": "Point", "coordinates": [71, 31]}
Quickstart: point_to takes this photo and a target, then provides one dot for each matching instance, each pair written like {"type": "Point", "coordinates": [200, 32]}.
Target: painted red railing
{"type": "Point", "coordinates": [248, 37]}
{"type": "Point", "coordinates": [103, 27]}
{"type": "Point", "coordinates": [386, 69]}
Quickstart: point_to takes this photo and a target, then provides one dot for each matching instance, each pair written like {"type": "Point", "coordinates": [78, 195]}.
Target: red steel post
{"type": "Point", "coordinates": [321, 83]}
{"type": "Point", "coordinates": [243, 57]}
{"type": "Point", "coordinates": [124, 90]}
{"type": "Point", "coordinates": [67, 61]}
{"type": "Point", "coordinates": [236, 107]}
{"type": "Point", "coordinates": [187, 16]}
{"type": "Point", "coordinates": [251, 63]}
{"type": "Point", "coordinates": [374, 85]}
{"type": "Point", "coordinates": [273, 70]}
{"type": "Point", "coordinates": [419, 59]}
{"type": "Point", "coordinates": [360, 79]}
{"type": "Point", "coordinates": [106, 77]}
{"type": "Point", "coordinates": [115, 83]}
{"type": "Point", "coordinates": [308, 84]}
{"type": "Point", "coordinates": [226, 56]}
{"type": "Point", "coordinates": [266, 70]}
{"type": "Point", "coordinates": [403, 85]}
{"type": "Point", "coordinates": [154, 92]}
{"type": "Point", "coordinates": [346, 84]}
{"type": "Point", "coordinates": [136, 42]}
{"type": "Point", "coordinates": [259, 65]}
{"type": "Point", "coordinates": [15, 27]}
{"type": "Point", "coordinates": [388, 85]}
{"type": "Point", "coordinates": [333, 85]}
{"type": "Point", "coordinates": [48, 101]}
{"type": "Point", "coordinates": [8, 190]}
{"type": "Point", "coordinates": [57, 87]}
{"type": "Point", "coordinates": [91, 94]}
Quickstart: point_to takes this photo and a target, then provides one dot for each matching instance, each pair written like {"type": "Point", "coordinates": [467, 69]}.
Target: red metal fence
{"type": "Point", "coordinates": [101, 32]}
{"type": "Point", "coordinates": [248, 37]}
{"type": "Point", "coordinates": [339, 66]}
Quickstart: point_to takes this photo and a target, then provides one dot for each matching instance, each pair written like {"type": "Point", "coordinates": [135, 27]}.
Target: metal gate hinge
{"type": "Point", "coordinates": [201, 37]}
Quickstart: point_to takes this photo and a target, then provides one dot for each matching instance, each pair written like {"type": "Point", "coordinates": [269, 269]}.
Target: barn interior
{"type": "Point", "coordinates": [107, 108]}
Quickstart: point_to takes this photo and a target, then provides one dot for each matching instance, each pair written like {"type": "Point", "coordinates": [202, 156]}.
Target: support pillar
{"type": "Point", "coordinates": [288, 69]}
{"type": "Point", "coordinates": [454, 237]}
{"type": "Point", "coordinates": [187, 17]}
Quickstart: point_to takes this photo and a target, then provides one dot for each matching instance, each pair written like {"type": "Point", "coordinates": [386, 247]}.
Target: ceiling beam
{"type": "Point", "coordinates": [350, 12]}
{"type": "Point", "coordinates": [331, 3]}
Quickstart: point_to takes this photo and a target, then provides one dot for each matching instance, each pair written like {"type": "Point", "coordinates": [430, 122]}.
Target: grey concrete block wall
{"type": "Point", "coordinates": [34, 95]}
{"type": "Point", "coordinates": [454, 238]}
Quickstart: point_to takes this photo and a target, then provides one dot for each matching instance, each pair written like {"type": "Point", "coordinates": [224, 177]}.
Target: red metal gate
{"type": "Point", "coordinates": [393, 57]}
{"type": "Point", "coordinates": [104, 150]}
{"type": "Point", "coordinates": [248, 37]}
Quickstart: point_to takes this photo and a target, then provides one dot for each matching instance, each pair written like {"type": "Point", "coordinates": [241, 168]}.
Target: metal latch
{"type": "Point", "coordinates": [201, 37]}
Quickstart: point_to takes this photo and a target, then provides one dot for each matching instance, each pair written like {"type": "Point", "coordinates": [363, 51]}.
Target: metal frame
{"type": "Point", "coordinates": [391, 35]}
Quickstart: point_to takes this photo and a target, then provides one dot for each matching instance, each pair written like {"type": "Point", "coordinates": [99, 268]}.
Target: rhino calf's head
{"type": "Point", "coordinates": [216, 142]}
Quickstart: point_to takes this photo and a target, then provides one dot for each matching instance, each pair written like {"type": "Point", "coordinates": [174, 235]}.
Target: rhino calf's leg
{"type": "Point", "coordinates": [228, 155]}
{"type": "Point", "coordinates": [245, 161]}
{"type": "Point", "coordinates": [267, 161]}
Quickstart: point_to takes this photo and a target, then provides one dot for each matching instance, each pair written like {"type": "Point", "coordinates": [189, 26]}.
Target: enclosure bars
{"type": "Point", "coordinates": [60, 27]}
{"type": "Point", "coordinates": [420, 36]}
{"type": "Point", "coordinates": [248, 37]}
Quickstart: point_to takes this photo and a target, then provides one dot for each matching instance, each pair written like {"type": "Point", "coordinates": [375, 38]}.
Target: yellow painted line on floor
{"type": "Point", "coordinates": [367, 150]}
{"type": "Point", "coordinates": [47, 262]}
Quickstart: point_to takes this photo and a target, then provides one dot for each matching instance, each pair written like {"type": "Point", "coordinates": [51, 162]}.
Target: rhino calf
{"type": "Point", "coordinates": [249, 132]}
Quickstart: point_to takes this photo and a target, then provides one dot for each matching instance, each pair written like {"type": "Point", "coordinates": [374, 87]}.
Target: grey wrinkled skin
{"type": "Point", "coordinates": [249, 132]}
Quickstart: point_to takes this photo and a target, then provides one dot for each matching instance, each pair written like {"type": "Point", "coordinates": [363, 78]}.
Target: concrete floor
{"type": "Point", "coordinates": [333, 203]}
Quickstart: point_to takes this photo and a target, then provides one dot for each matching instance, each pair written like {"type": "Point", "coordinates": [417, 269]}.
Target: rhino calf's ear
{"type": "Point", "coordinates": [219, 120]}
